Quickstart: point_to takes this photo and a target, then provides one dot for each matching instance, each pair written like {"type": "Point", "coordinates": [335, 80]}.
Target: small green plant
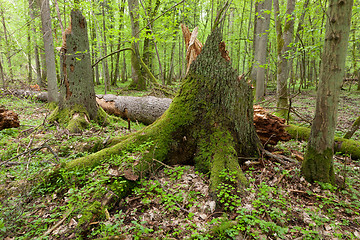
{"type": "Point", "coordinates": [227, 193]}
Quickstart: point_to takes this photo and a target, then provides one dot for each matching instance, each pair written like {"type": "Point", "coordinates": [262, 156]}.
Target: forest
{"type": "Point", "coordinates": [179, 119]}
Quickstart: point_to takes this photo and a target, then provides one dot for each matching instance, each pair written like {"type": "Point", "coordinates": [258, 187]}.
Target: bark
{"type": "Point", "coordinates": [142, 109]}
{"type": "Point", "coordinates": [261, 40]}
{"type": "Point", "coordinates": [284, 36]}
{"type": "Point", "coordinates": [32, 9]}
{"type": "Point", "coordinates": [318, 162]}
{"type": "Point", "coordinates": [2, 75]}
{"type": "Point", "coordinates": [138, 81]}
{"type": "Point", "coordinates": [117, 56]}
{"type": "Point", "coordinates": [77, 85]}
{"type": "Point", "coordinates": [104, 46]}
{"type": "Point", "coordinates": [209, 122]}
{"type": "Point", "coordinates": [49, 50]}
{"type": "Point", "coordinates": [353, 129]}
{"type": "Point", "coordinates": [7, 44]}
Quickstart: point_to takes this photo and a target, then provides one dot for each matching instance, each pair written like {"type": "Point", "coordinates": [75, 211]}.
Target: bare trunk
{"type": "Point", "coordinates": [49, 50]}
{"type": "Point", "coordinates": [261, 38]}
{"type": "Point", "coordinates": [284, 39]}
{"type": "Point", "coordinates": [318, 163]}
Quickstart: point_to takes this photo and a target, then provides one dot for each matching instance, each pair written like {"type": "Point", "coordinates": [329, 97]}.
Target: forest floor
{"type": "Point", "coordinates": [173, 202]}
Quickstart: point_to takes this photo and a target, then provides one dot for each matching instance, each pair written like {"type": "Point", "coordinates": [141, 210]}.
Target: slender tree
{"type": "Point", "coordinates": [262, 23]}
{"type": "Point", "coordinates": [32, 10]}
{"type": "Point", "coordinates": [318, 162]}
{"type": "Point", "coordinates": [138, 80]}
{"type": "Point", "coordinates": [49, 50]}
{"type": "Point", "coordinates": [284, 37]}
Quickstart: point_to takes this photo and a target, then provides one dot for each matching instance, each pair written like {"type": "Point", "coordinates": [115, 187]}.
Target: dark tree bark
{"type": "Point", "coordinates": [77, 94]}
{"type": "Point", "coordinates": [209, 123]}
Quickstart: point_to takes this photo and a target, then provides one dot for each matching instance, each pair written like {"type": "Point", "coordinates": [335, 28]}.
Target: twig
{"type": "Point", "coordinates": [58, 223]}
{"type": "Point", "coordinates": [163, 163]}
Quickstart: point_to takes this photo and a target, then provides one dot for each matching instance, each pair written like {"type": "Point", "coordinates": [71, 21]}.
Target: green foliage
{"type": "Point", "coordinates": [227, 192]}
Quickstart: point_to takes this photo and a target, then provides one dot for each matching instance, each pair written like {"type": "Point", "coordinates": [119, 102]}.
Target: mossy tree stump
{"type": "Point", "coordinates": [77, 103]}
{"type": "Point", "coordinates": [209, 123]}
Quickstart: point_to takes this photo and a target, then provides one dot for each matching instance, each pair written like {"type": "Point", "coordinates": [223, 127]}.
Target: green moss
{"type": "Point", "coordinates": [300, 133]}
{"type": "Point", "coordinates": [224, 156]}
{"type": "Point", "coordinates": [78, 123]}
{"type": "Point", "coordinates": [94, 210]}
{"type": "Point", "coordinates": [348, 146]}
{"type": "Point", "coordinates": [318, 166]}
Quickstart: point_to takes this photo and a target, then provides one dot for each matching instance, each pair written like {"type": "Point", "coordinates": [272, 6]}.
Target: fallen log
{"type": "Point", "coordinates": [8, 119]}
{"type": "Point", "coordinates": [142, 109]}
{"type": "Point", "coordinates": [342, 145]}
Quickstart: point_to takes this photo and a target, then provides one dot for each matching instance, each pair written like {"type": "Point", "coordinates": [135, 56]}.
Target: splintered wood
{"type": "Point", "coordinates": [269, 128]}
{"type": "Point", "coordinates": [193, 45]}
{"type": "Point", "coordinates": [8, 119]}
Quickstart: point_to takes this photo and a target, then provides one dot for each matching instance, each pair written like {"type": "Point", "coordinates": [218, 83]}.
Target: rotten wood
{"type": "Point", "coordinates": [8, 119]}
{"type": "Point", "coordinates": [269, 128]}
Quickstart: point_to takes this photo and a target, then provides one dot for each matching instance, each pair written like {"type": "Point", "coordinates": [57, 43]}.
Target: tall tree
{"type": "Point", "coordinates": [115, 75]}
{"type": "Point", "coordinates": [32, 10]}
{"type": "Point", "coordinates": [7, 43]}
{"type": "Point", "coordinates": [262, 23]}
{"type": "Point", "coordinates": [284, 37]}
{"type": "Point", "coordinates": [138, 80]}
{"type": "Point", "coordinates": [318, 162]}
{"type": "Point", "coordinates": [49, 50]}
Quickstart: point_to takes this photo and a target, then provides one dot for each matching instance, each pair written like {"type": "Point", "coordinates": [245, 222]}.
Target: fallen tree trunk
{"type": "Point", "coordinates": [345, 146]}
{"type": "Point", "coordinates": [142, 109]}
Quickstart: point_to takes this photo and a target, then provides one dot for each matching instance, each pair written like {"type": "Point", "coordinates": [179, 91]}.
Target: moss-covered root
{"type": "Point", "coordinates": [318, 166]}
{"type": "Point", "coordinates": [223, 158]}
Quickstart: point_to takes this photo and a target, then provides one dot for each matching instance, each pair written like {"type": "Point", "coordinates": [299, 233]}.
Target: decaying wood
{"type": "Point", "coordinates": [193, 45]}
{"type": "Point", "coordinates": [8, 119]}
{"type": "Point", "coordinates": [269, 128]}
{"type": "Point", "coordinates": [142, 109]}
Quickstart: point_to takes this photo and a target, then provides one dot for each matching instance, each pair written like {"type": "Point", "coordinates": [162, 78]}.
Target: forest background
{"type": "Point", "coordinates": [301, 24]}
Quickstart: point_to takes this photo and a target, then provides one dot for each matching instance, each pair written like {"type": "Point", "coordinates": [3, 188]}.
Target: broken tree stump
{"type": "Point", "coordinates": [8, 119]}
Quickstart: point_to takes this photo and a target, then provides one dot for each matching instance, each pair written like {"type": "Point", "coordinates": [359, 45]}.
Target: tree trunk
{"type": "Point", "coordinates": [104, 46]}
{"type": "Point", "coordinates": [49, 50]}
{"type": "Point", "coordinates": [209, 123]}
{"type": "Point", "coordinates": [77, 86]}
{"type": "Point", "coordinates": [7, 44]}
{"type": "Point", "coordinates": [138, 81]}
{"type": "Point", "coordinates": [318, 162]}
{"type": "Point", "coordinates": [2, 74]}
{"type": "Point", "coordinates": [354, 127]}
{"type": "Point", "coordinates": [284, 37]}
{"type": "Point", "coordinates": [261, 38]}
{"type": "Point", "coordinates": [117, 56]}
